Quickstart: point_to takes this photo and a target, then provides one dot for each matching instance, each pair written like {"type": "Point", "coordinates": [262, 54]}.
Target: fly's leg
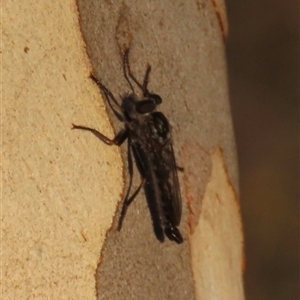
{"type": "Point", "coordinates": [117, 140]}
{"type": "Point", "coordinates": [128, 200]}
{"type": "Point", "coordinates": [126, 67]}
{"type": "Point", "coordinates": [180, 169]}
{"type": "Point", "coordinates": [109, 98]}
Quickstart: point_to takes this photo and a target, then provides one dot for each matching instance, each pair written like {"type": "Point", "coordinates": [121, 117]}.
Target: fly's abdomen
{"type": "Point", "coordinates": [151, 188]}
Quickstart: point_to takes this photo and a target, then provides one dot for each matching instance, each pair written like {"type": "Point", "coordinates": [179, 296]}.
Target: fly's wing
{"type": "Point", "coordinates": [151, 186]}
{"type": "Point", "coordinates": [163, 157]}
{"type": "Point", "coordinates": [171, 190]}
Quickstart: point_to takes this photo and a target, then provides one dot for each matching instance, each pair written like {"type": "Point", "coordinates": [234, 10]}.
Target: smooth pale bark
{"type": "Point", "coordinates": [61, 188]}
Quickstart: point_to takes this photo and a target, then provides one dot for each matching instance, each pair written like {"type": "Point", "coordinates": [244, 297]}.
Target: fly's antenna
{"type": "Point", "coordinates": [146, 81]}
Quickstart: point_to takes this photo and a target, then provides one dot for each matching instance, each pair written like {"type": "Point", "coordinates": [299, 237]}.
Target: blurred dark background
{"type": "Point", "coordinates": [263, 63]}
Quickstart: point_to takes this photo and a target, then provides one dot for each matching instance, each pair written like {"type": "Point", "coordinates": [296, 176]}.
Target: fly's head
{"type": "Point", "coordinates": [134, 108]}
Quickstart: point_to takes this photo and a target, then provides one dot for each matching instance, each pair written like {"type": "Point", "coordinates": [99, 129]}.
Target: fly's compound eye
{"type": "Point", "coordinates": [156, 98]}
{"type": "Point", "coordinates": [145, 106]}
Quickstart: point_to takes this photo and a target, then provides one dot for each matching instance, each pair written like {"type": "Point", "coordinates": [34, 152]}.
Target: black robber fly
{"type": "Point", "coordinates": [149, 139]}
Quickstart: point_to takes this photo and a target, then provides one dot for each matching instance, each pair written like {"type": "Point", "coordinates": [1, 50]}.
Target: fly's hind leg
{"type": "Point", "coordinates": [128, 200]}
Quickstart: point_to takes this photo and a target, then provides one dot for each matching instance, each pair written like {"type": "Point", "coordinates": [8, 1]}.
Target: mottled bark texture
{"type": "Point", "coordinates": [62, 188]}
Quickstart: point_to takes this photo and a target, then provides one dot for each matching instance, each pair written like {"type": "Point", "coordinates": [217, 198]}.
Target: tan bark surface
{"type": "Point", "coordinates": [217, 243]}
{"type": "Point", "coordinates": [53, 219]}
{"type": "Point", "coordinates": [61, 188]}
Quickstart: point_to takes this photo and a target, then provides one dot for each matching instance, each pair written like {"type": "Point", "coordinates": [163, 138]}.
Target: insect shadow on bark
{"type": "Point", "coordinates": [149, 141]}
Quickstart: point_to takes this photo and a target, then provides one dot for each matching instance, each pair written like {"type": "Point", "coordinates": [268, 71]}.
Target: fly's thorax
{"type": "Point", "coordinates": [159, 127]}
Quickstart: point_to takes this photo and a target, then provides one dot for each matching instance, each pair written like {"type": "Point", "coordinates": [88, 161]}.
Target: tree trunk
{"type": "Point", "coordinates": [62, 189]}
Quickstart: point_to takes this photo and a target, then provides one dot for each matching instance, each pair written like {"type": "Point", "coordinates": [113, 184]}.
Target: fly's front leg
{"type": "Point", "coordinates": [126, 68]}
{"type": "Point", "coordinates": [109, 98]}
{"type": "Point", "coordinates": [117, 140]}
